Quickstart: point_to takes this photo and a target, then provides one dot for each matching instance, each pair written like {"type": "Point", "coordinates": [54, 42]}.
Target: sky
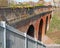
{"type": "Point", "coordinates": [30, 0]}
{"type": "Point", "coordinates": [47, 0]}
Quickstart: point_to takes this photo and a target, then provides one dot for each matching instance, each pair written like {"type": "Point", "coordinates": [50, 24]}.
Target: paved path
{"type": "Point", "coordinates": [47, 40]}
{"type": "Point", "coordinates": [53, 46]}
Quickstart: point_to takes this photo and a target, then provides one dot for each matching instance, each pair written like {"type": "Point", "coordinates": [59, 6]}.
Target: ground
{"type": "Point", "coordinates": [54, 31]}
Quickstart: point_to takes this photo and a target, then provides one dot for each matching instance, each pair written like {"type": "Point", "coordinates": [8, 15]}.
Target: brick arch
{"type": "Point", "coordinates": [30, 31]}
{"type": "Point", "coordinates": [46, 26]}
{"type": "Point", "coordinates": [40, 30]}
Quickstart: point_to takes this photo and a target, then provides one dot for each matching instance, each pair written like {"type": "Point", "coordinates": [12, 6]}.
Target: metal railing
{"type": "Point", "coordinates": [12, 38]}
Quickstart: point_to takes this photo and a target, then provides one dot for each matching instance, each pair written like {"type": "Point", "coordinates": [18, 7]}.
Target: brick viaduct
{"type": "Point", "coordinates": [33, 21]}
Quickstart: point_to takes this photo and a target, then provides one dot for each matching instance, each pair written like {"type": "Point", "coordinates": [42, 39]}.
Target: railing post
{"type": "Point", "coordinates": [25, 40]}
{"type": "Point", "coordinates": [4, 32]}
{"type": "Point", "coordinates": [36, 44]}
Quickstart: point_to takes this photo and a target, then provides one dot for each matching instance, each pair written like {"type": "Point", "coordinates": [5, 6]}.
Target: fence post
{"type": "Point", "coordinates": [36, 44]}
{"type": "Point", "coordinates": [25, 40]}
{"type": "Point", "coordinates": [4, 32]}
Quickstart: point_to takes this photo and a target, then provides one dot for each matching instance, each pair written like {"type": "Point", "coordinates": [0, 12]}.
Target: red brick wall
{"type": "Point", "coordinates": [36, 23]}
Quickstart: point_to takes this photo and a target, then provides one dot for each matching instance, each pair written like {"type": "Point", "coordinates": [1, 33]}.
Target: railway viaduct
{"type": "Point", "coordinates": [33, 21]}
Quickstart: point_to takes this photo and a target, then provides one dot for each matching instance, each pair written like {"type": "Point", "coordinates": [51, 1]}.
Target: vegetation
{"type": "Point", "coordinates": [19, 5]}
{"type": "Point", "coordinates": [24, 5]}
{"type": "Point", "coordinates": [54, 31]}
{"type": "Point", "coordinates": [39, 5]}
{"type": "Point", "coordinates": [4, 3]}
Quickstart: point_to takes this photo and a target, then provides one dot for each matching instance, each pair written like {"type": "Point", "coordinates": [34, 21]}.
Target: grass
{"type": "Point", "coordinates": [54, 24]}
{"type": "Point", "coordinates": [54, 31]}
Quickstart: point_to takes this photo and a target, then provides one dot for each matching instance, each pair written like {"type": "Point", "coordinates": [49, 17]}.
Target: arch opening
{"type": "Point", "coordinates": [30, 31]}
{"type": "Point", "coordinates": [40, 30]}
{"type": "Point", "coordinates": [50, 16]}
{"type": "Point", "coordinates": [46, 24]}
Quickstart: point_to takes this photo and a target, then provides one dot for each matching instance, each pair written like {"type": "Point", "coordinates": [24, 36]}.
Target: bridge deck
{"type": "Point", "coordinates": [12, 16]}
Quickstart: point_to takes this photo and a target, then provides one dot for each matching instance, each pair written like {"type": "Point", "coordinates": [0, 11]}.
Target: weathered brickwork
{"type": "Point", "coordinates": [36, 25]}
{"type": "Point", "coordinates": [33, 21]}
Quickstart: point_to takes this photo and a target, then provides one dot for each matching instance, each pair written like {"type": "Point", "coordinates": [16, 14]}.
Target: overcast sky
{"type": "Point", "coordinates": [30, 0]}
{"type": "Point", "coordinates": [47, 0]}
